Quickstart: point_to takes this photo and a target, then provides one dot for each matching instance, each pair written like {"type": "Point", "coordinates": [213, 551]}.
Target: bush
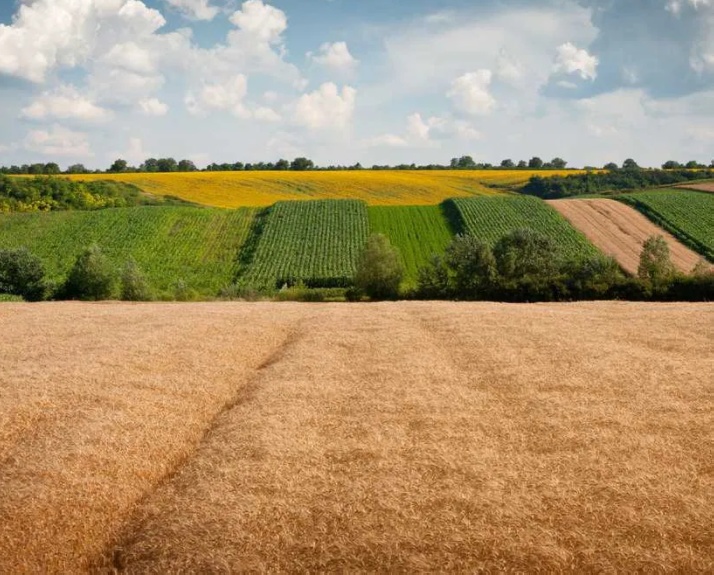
{"type": "Point", "coordinates": [134, 285]}
{"type": "Point", "coordinates": [379, 270]}
{"type": "Point", "coordinates": [92, 277]}
{"type": "Point", "coordinates": [22, 274]}
{"type": "Point", "coordinates": [473, 267]}
{"type": "Point", "coordinates": [656, 264]}
{"type": "Point", "coordinates": [434, 279]}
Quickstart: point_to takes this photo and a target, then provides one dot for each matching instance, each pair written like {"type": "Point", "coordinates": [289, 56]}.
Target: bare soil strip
{"type": "Point", "coordinates": [219, 438]}
{"type": "Point", "coordinates": [621, 231]}
{"type": "Point", "coordinates": [703, 187]}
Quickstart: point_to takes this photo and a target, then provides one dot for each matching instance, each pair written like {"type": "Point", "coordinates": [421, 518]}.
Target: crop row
{"type": "Point", "coordinates": [316, 243]}
{"type": "Point", "coordinates": [489, 219]}
{"type": "Point", "coordinates": [688, 215]}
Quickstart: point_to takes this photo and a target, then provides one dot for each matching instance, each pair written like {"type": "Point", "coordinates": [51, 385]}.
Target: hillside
{"type": "Point", "coordinates": [403, 437]}
{"type": "Point", "coordinates": [377, 188]}
{"type": "Point", "coordinates": [195, 247]}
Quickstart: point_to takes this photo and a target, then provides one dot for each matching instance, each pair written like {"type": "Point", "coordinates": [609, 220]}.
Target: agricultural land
{"type": "Point", "coordinates": [620, 231]}
{"type": "Point", "coordinates": [396, 437]}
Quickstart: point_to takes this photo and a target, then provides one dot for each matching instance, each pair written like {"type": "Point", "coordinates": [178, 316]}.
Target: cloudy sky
{"type": "Point", "coordinates": [341, 81]}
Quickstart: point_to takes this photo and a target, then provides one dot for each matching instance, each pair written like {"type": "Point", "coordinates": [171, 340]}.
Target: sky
{"type": "Point", "coordinates": [346, 81]}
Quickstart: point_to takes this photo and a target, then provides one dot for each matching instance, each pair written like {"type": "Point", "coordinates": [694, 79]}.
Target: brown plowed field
{"type": "Point", "coordinates": [399, 437]}
{"type": "Point", "coordinates": [703, 187]}
{"type": "Point", "coordinates": [621, 231]}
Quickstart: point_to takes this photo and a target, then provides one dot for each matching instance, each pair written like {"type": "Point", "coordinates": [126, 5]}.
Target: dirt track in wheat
{"type": "Point", "coordinates": [224, 437]}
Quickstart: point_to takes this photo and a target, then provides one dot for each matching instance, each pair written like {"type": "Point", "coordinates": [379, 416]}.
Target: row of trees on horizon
{"type": "Point", "coordinates": [301, 164]}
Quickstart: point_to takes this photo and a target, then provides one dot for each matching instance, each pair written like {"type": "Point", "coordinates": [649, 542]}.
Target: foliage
{"type": "Point", "coordinates": [473, 267]}
{"type": "Point", "coordinates": [198, 245]}
{"type": "Point", "coordinates": [525, 253]}
{"type": "Point", "coordinates": [134, 285]}
{"type": "Point", "coordinates": [417, 232]}
{"type": "Point", "coordinates": [489, 219]}
{"type": "Point", "coordinates": [92, 276]}
{"type": "Point", "coordinates": [379, 269]}
{"type": "Point", "coordinates": [655, 262]}
{"type": "Point", "coordinates": [44, 194]}
{"type": "Point", "coordinates": [613, 180]}
{"type": "Point", "coordinates": [316, 243]}
{"type": "Point", "coordinates": [22, 274]}
{"type": "Point", "coordinates": [688, 215]}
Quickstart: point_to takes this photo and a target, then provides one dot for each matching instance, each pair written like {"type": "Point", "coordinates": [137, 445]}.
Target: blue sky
{"type": "Point", "coordinates": [342, 81]}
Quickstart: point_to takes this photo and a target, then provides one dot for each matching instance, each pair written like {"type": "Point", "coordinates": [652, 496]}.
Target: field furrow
{"type": "Point", "coordinates": [621, 231]}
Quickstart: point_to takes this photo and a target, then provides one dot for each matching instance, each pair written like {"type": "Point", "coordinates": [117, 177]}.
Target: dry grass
{"type": "Point", "coordinates": [621, 232]}
{"type": "Point", "coordinates": [702, 187]}
{"type": "Point", "coordinates": [389, 437]}
{"type": "Point", "coordinates": [377, 188]}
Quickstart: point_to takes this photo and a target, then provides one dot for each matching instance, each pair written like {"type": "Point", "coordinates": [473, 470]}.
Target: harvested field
{"type": "Point", "coordinates": [336, 437]}
{"type": "Point", "coordinates": [702, 187]}
{"type": "Point", "coordinates": [621, 231]}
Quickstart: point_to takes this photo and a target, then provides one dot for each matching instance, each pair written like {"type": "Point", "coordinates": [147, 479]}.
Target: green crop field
{"type": "Point", "coordinates": [688, 215]}
{"type": "Point", "coordinates": [195, 246]}
{"type": "Point", "coordinates": [490, 218]}
{"type": "Point", "coordinates": [417, 231]}
{"type": "Point", "coordinates": [316, 243]}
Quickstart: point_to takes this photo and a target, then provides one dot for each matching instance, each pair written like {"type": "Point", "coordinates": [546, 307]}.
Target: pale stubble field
{"type": "Point", "coordinates": [224, 437]}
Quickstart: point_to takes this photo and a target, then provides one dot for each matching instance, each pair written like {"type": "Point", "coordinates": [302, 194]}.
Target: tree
{"type": "Point", "coordinates": [433, 281]}
{"type": "Point", "coordinates": [301, 164]}
{"type": "Point", "coordinates": [465, 163]}
{"type": "Point", "coordinates": [611, 166]}
{"type": "Point", "coordinates": [558, 163]}
{"type": "Point", "coordinates": [52, 169]}
{"type": "Point", "coordinates": [186, 166]}
{"type": "Point", "coordinates": [630, 164]}
{"type": "Point", "coordinates": [694, 165]}
{"type": "Point", "coordinates": [91, 277]}
{"type": "Point", "coordinates": [282, 165]}
{"type": "Point", "coordinates": [671, 165]}
{"type": "Point", "coordinates": [134, 285]}
{"type": "Point", "coordinates": [22, 274]}
{"type": "Point", "coordinates": [535, 163]}
{"type": "Point", "coordinates": [77, 169]}
{"type": "Point", "coordinates": [379, 269]}
{"type": "Point", "coordinates": [655, 262]}
{"type": "Point", "coordinates": [473, 266]}
{"type": "Point", "coordinates": [118, 166]}
{"type": "Point", "coordinates": [522, 164]}
{"type": "Point", "coordinates": [508, 164]}
{"type": "Point", "coordinates": [150, 165]}
{"type": "Point", "coordinates": [526, 253]}
{"type": "Point", "coordinates": [167, 165]}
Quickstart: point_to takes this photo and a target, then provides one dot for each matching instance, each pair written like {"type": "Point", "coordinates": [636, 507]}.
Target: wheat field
{"type": "Point", "coordinates": [377, 188]}
{"type": "Point", "coordinates": [396, 437]}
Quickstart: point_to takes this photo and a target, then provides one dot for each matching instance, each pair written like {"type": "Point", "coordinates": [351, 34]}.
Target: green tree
{"type": "Point", "coordinates": [134, 285]}
{"type": "Point", "coordinates": [535, 163]}
{"type": "Point", "coordinates": [186, 166]}
{"type": "Point", "coordinates": [433, 281]}
{"type": "Point", "coordinates": [655, 261]}
{"type": "Point", "coordinates": [77, 169]}
{"type": "Point", "coordinates": [630, 164]}
{"type": "Point", "coordinates": [558, 163]}
{"type": "Point", "coordinates": [611, 166]}
{"type": "Point", "coordinates": [150, 165]}
{"type": "Point", "coordinates": [118, 166]}
{"type": "Point", "coordinates": [22, 274]}
{"type": "Point", "coordinates": [167, 165]}
{"type": "Point", "coordinates": [282, 165]}
{"type": "Point", "coordinates": [301, 164]}
{"type": "Point", "coordinates": [671, 165]}
{"type": "Point", "coordinates": [379, 269]}
{"type": "Point", "coordinates": [473, 267]}
{"type": "Point", "coordinates": [508, 164]}
{"type": "Point", "coordinates": [92, 277]}
{"type": "Point", "coordinates": [526, 253]}
{"type": "Point", "coordinates": [52, 169]}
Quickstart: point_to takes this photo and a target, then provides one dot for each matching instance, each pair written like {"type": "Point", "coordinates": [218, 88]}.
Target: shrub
{"type": "Point", "coordinates": [655, 262]}
{"type": "Point", "coordinates": [22, 274]}
{"type": "Point", "coordinates": [92, 277]}
{"type": "Point", "coordinates": [433, 281]}
{"type": "Point", "coordinates": [379, 269]}
{"type": "Point", "coordinates": [134, 285]}
{"type": "Point", "coordinates": [526, 253]}
{"type": "Point", "coordinates": [473, 266]}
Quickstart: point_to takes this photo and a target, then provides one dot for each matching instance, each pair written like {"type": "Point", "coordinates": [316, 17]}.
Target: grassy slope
{"type": "Point", "coordinates": [314, 242]}
{"type": "Point", "coordinates": [377, 188]}
{"type": "Point", "coordinates": [491, 218]}
{"type": "Point", "coordinates": [688, 215]}
{"type": "Point", "coordinates": [417, 231]}
{"type": "Point", "coordinates": [196, 245]}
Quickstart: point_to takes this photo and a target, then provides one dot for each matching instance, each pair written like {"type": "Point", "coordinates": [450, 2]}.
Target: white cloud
{"type": "Point", "coordinates": [58, 141]}
{"type": "Point", "coordinates": [227, 96]}
{"type": "Point", "coordinates": [571, 60]}
{"type": "Point", "coordinates": [508, 69]}
{"type": "Point", "coordinates": [417, 128]}
{"type": "Point", "coordinates": [335, 56]}
{"type": "Point", "coordinates": [424, 133]}
{"type": "Point", "coordinates": [65, 103]}
{"type": "Point", "coordinates": [196, 9]}
{"type": "Point", "coordinates": [266, 114]}
{"type": "Point", "coordinates": [261, 21]}
{"type": "Point", "coordinates": [676, 6]}
{"type": "Point", "coordinates": [326, 108]}
{"type": "Point", "coordinates": [470, 93]}
{"type": "Point", "coordinates": [153, 107]}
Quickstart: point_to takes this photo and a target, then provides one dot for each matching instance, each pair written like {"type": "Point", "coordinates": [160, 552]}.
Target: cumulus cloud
{"type": "Point", "coordinates": [153, 107]}
{"type": "Point", "coordinates": [227, 96]}
{"type": "Point", "coordinates": [58, 141]}
{"type": "Point", "coordinates": [195, 9]}
{"type": "Point", "coordinates": [676, 6]}
{"type": "Point", "coordinates": [426, 132]}
{"type": "Point", "coordinates": [470, 93]}
{"type": "Point", "coordinates": [65, 103]}
{"type": "Point", "coordinates": [572, 60]}
{"type": "Point", "coordinates": [328, 107]}
{"type": "Point", "coordinates": [335, 56]}
{"type": "Point", "coordinates": [261, 21]}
